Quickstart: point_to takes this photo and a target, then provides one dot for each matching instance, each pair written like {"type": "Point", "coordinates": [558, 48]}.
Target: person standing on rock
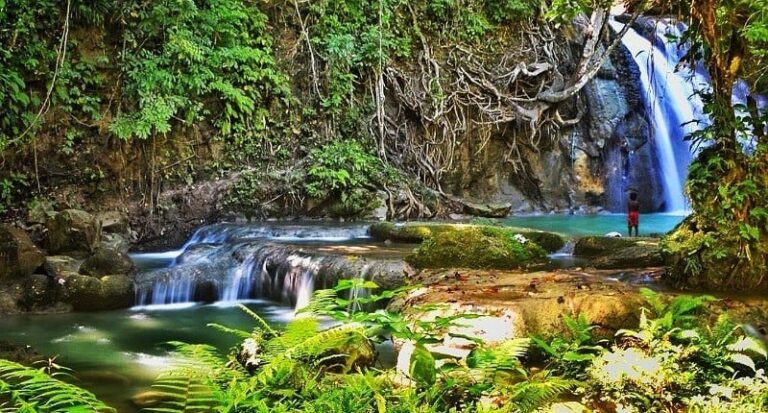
{"type": "Point", "coordinates": [633, 217]}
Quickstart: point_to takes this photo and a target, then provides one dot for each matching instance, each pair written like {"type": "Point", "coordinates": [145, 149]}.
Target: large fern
{"type": "Point", "coordinates": [538, 390]}
{"type": "Point", "coordinates": [25, 389]}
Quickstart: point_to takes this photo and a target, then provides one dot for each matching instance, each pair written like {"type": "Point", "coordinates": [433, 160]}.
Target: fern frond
{"type": "Point", "coordinates": [336, 338]}
{"type": "Point", "coordinates": [229, 330]}
{"type": "Point", "coordinates": [27, 389]}
{"type": "Point", "coordinates": [205, 360]}
{"type": "Point", "coordinates": [185, 391]}
{"type": "Point", "coordinates": [261, 323]}
{"type": "Point", "coordinates": [321, 302]}
{"type": "Point", "coordinates": [539, 391]}
{"type": "Point", "coordinates": [296, 332]}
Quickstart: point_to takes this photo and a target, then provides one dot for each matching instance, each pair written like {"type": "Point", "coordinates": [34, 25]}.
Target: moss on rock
{"type": "Point", "coordinates": [596, 246]}
{"type": "Point", "coordinates": [417, 232]}
{"type": "Point", "coordinates": [549, 241]}
{"type": "Point", "coordinates": [410, 232]}
{"type": "Point", "coordinates": [476, 247]}
{"type": "Point", "coordinates": [615, 253]}
{"type": "Point", "coordinates": [86, 293]}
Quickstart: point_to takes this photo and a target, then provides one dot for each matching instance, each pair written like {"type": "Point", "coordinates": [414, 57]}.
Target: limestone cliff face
{"type": "Point", "coordinates": [585, 168]}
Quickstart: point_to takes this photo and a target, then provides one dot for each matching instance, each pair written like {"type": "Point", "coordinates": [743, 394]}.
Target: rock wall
{"type": "Point", "coordinates": [586, 168]}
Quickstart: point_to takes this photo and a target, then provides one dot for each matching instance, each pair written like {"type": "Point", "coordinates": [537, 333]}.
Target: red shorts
{"type": "Point", "coordinates": [633, 219]}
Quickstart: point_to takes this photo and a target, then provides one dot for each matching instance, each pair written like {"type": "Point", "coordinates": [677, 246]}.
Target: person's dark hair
{"type": "Point", "coordinates": [633, 196]}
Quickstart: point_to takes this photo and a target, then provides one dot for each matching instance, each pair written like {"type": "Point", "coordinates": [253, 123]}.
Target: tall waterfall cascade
{"type": "Point", "coordinates": [672, 104]}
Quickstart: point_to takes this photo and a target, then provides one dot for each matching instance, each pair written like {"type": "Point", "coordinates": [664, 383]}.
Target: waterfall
{"type": "Point", "coordinates": [671, 102]}
{"type": "Point", "coordinates": [230, 263]}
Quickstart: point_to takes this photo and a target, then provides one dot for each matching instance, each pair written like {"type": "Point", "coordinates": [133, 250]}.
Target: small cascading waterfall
{"type": "Point", "coordinates": [247, 264]}
{"type": "Point", "coordinates": [228, 233]}
{"type": "Point", "coordinates": [672, 103]}
{"type": "Point", "coordinates": [240, 282]}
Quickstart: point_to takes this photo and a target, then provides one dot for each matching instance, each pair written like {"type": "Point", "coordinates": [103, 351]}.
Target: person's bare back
{"type": "Point", "coordinates": [633, 215]}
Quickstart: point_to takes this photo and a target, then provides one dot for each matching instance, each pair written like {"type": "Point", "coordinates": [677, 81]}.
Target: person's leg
{"type": "Point", "coordinates": [629, 227]}
{"type": "Point", "coordinates": [637, 230]}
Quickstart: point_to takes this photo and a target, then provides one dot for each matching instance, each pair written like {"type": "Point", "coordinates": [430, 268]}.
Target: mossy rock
{"type": "Point", "coordinates": [588, 247]}
{"type": "Point", "coordinates": [697, 256]}
{"type": "Point", "coordinates": [636, 256]}
{"type": "Point", "coordinates": [417, 232]}
{"type": "Point", "coordinates": [19, 257]}
{"type": "Point", "coordinates": [73, 232]}
{"type": "Point", "coordinates": [409, 233]}
{"type": "Point", "coordinates": [547, 240]}
{"type": "Point", "coordinates": [86, 293]}
{"type": "Point", "coordinates": [476, 247]}
{"type": "Point", "coordinates": [107, 261]}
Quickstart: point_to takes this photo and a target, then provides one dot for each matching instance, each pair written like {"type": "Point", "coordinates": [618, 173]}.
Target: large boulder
{"type": "Point", "coordinates": [73, 232]}
{"type": "Point", "coordinates": [487, 210]}
{"type": "Point", "coordinates": [588, 247]}
{"type": "Point", "coordinates": [549, 241]}
{"type": "Point", "coordinates": [107, 261]}
{"type": "Point", "coordinates": [115, 242]}
{"type": "Point", "coordinates": [60, 266]}
{"type": "Point", "coordinates": [114, 222]}
{"type": "Point", "coordinates": [517, 304]}
{"type": "Point", "coordinates": [19, 257]}
{"type": "Point", "coordinates": [477, 247]}
{"type": "Point", "coordinates": [86, 293]}
{"type": "Point", "coordinates": [618, 253]}
{"type": "Point", "coordinates": [417, 232]}
{"type": "Point", "coordinates": [411, 232]}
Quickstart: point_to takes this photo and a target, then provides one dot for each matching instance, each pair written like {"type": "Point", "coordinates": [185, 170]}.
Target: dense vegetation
{"type": "Point", "coordinates": [678, 357]}
{"type": "Point", "coordinates": [113, 99]}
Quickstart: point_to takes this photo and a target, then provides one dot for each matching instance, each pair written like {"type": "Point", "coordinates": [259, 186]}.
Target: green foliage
{"type": "Point", "coordinates": [31, 390]}
{"type": "Point", "coordinates": [570, 356]}
{"type": "Point", "coordinates": [10, 187]}
{"type": "Point", "coordinates": [341, 167]}
{"type": "Point", "coordinates": [201, 51]}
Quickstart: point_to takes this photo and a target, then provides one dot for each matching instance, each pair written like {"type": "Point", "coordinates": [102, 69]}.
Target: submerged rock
{"type": "Point", "coordinates": [476, 247]}
{"type": "Point", "coordinates": [73, 232]}
{"type": "Point", "coordinates": [19, 257]}
{"type": "Point", "coordinates": [19, 353]}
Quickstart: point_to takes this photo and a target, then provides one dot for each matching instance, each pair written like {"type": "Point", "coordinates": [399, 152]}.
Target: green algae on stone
{"type": "Point", "coordinates": [410, 232]}
{"type": "Point", "coordinates": [476, 247]}
{"type": "Point", "coordinates": [549, 241]}
{"type": "Point", "coordinates": [417, 232]}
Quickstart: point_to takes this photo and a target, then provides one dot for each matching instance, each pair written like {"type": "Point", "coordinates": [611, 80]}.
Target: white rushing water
{"type": "Point", "coordinates": [228, 263]}
{"type": "Point", "coordinates": [672, 104]}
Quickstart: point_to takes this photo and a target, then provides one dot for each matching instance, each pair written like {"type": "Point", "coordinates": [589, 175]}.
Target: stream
{"type": "Point", "coordinates": [117, 354]}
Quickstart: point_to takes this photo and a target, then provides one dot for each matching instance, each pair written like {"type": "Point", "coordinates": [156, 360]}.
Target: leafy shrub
{"type": "Point", "coordinates": [182, 56]}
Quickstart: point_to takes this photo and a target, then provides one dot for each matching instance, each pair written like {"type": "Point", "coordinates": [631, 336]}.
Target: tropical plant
{"type": "Point", "coordinates": [39, 390]}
